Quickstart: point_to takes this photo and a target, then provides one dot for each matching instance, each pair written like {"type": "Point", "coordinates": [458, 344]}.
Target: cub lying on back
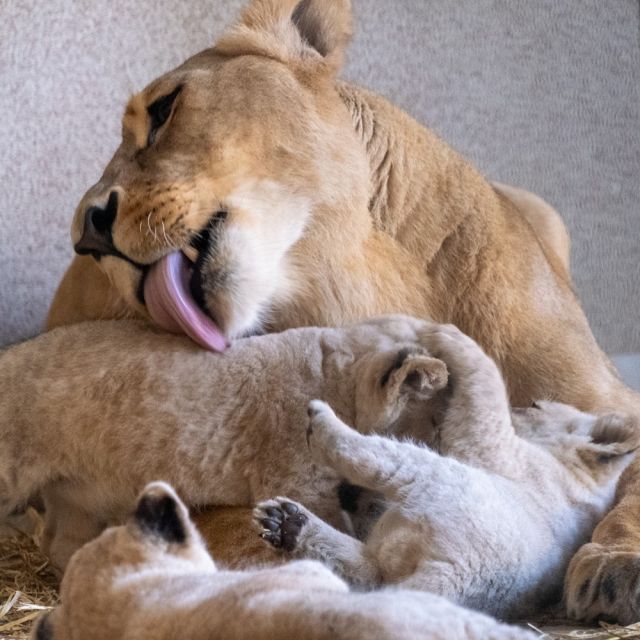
{"type": "Point", "coordinates": [492, 519]}
{"type": "Point", "coordinates": [91, 413]}
{"type": "Point", "coordinates": [154, 579]}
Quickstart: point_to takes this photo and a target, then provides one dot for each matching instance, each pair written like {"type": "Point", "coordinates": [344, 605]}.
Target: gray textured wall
{"type": "Point", "coordinates": [540, 93]}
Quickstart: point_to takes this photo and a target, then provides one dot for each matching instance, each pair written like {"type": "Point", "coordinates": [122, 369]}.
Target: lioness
{"type": "Point", "coordinates": [154, 579]}
{"type": "Point", "coordinates": [304, 200]}
{"type": "Point", "coordinates": [488, 515]}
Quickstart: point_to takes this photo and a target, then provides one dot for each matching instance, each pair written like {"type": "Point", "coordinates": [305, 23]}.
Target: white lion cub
{"type": "Point", "coordinates": [154, 579]}
{"type": "Point", "coordinates": [491, 518]}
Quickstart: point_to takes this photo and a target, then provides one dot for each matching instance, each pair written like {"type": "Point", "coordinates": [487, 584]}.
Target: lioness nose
{"type": "Point", "coordinates": [96, 237]}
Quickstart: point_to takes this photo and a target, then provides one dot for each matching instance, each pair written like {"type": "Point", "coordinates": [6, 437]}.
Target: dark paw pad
{"type": "Point", "coordinates": [282, 525]}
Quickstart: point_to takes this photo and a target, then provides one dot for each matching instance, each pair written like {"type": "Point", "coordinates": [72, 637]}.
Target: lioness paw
{"type": "Point", "coordinates": [281, 522]}
{"type": "Point", "coordinates": [604, 584]}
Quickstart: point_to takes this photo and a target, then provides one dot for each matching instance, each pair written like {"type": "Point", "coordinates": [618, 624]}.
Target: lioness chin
{"type": "Point", "coordinates": [302, 200]}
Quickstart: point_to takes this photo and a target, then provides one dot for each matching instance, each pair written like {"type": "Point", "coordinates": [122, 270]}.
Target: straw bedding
{"type": "Point", "coordinates": [28, 586]}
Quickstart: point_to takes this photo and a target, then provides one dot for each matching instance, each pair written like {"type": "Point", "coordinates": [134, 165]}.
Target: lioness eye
{"type": "Point", "coordinates": [159, 111]}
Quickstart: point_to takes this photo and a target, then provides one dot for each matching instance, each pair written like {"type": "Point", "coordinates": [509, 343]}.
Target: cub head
{"type": "Point", "coordinates": [397, 387]}
{"type": "Point", "coordinates": [236, 158]}
{"type": "Point", "coordinates": [115, 570]}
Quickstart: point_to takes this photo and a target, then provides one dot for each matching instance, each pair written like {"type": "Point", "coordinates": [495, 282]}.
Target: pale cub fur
{"type": "Point", "coordinates": [91, 413]}
{"type": "Point", "coordinates": [492, 519]}
{"type": "Point", "coordinates": [154, 579]}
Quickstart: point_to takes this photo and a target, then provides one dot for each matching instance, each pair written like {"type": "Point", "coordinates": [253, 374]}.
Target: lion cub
{"type": "Point", "coordinates": [89, 414]}
{"type": "Point", "coordinates": [492, 518]}
{"type": "Point", "coordinates": [153, 578]}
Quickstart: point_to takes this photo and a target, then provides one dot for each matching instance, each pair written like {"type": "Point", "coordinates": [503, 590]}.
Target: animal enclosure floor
{"type": "Point", "coordinates": [28, 586]}
{"type": "Point", "coordinates": [569, 631]}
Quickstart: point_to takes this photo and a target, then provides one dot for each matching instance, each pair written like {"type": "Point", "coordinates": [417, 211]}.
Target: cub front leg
{"type": "Point", "coordinates": [373, 462]}
{"type": "Point", "coordinates": [289, 527]}
{"type": "Point", "coordinates": [67, 528]}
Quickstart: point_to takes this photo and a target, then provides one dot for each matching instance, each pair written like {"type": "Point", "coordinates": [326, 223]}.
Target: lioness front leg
{"type": "Point", "coordinates": [603, 579]}
{"type": "Point", "coordinates": [290, 527]}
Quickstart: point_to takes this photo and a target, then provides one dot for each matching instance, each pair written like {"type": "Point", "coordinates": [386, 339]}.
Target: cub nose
{"type": "Point", "coordinates": [96, 237]}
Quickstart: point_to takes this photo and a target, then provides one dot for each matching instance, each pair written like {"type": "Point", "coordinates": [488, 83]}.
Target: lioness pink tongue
{"type": "Point", "coordinates": [172, 307]}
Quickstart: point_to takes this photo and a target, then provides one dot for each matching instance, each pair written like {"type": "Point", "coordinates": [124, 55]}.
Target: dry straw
{"type": "Point", "coordinates": [604, 631]}
{"type": "Point", "coordinates": [28, 586]}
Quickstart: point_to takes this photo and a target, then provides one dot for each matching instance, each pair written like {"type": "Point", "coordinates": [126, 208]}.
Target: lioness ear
{"type": "Point", "coordinates": [325, 25]}
{"type": "Point", "coordinates": [308, 31]}
{"type": "Point", "coordinates": [612, 436]}
{"type": "Point", "coordinates": [162, 515]}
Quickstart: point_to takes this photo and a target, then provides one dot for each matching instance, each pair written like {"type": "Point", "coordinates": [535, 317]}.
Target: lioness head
{"type": "Point", "coordinates": [236, 158]}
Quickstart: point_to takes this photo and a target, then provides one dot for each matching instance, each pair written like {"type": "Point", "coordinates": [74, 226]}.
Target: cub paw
{"type": "Point", "coordinates": [604, 584]}
{"type": "Point", "coordinates": [281, 522]}
{"type": "Point", "coordinates": [463, 356]}
{"type": "Point", "coordinates": [326, 433]}
{"type": "Point", "coordinates": [320, 413]}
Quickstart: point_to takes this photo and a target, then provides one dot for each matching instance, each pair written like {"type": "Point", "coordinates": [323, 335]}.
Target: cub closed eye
{"type": "Point", "coordinates": [159, 111]}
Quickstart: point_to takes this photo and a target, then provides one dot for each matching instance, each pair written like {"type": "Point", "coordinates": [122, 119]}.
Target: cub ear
{"type": "Point", "coordinates": [612, 436]}
{"type": "Point", "coordinates": [162, 515]}
{"type": "Point", "coordinates": [415, 372]}
{"type": "Point", "coordinates": [292, 30]}
{"type": "Point", "coordinates": [387, 381]}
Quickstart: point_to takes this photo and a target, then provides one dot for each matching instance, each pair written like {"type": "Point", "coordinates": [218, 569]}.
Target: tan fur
{"type": "Point", "coordinates": [229, 536]}
{"type": "Point", "coordinates": [85, 294]}
{"type": "Point", "coordinates": [92, 412]}
{"type": "Point", "coordinates": [141, 581]}
{"type": "Point", "coordinates": [368, 212]}
{"type": "Point", "coordinates": [544, 219]}
{"type": "Point", "coordinates": [341, 207]}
